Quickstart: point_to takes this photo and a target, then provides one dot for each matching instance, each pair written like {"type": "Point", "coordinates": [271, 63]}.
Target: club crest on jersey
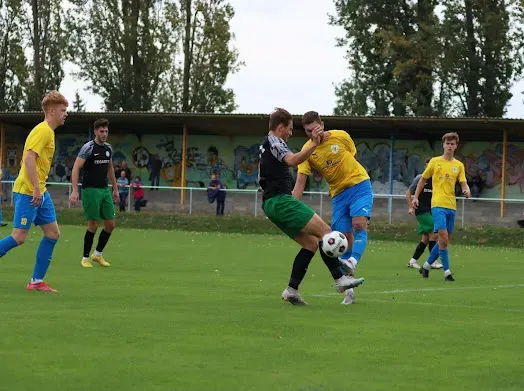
{"type": "Point", "coordinates": [455, 169]}
{"type": "Point", "coordinates": [335, 148]}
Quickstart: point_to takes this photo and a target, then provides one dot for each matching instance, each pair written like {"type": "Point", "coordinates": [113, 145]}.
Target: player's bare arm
{"type": "Point", "coordinates": [420, 186]}
{"type": "Point", "coordinates": [30, 165]}
{"type": "Point", "coordinates": [112, 178]}
{"type": "Point", "coordinates": [411, 210]}
{"type": "Point", "coordinates": [300, 185]}
{"type": "Point", "coordinates": [79, 163]}
{"type": "Point", "coordinates": [294, 159]}
{"type": "Point", "coordinates": [465, 189]}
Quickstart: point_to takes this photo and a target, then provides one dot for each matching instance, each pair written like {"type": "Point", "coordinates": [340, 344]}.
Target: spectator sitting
{"type": "Point", "coordinates": [138, 193]}
{"type": "Point", "coordinates": [123, 190]}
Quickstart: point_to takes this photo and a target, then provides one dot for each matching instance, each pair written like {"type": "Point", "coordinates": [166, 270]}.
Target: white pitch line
{"type": "Point", "coordinates": [418, 290]}
{"type": "Point", "coordinates": [471, 307]}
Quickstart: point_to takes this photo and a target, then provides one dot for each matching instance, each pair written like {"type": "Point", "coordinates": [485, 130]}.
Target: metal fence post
{"type": "Point", "coordinates": [256, 202]}
{"type": "Point", "coordinates": [69, 189]}
{"type": "Point", "coordinates": [129, 199]}
{"type": "Point", "coordinates": [463, 207]}
{"type": "Point", "coordinates": [390, 208]}
{"type": "Point", "coordinates": [321, 204]}
{"type": "Point", "coordinates": [190, 200]}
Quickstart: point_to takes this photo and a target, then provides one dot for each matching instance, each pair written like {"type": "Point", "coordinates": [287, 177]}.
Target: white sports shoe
{"type": "Point", "coordinates": [348, 266]}
{"type": "Point", "coordinates": [436, 265]}
{"type": "Point", "coordinates": [414, 265]}
{"type": "Point", "coordinates": [292, 296]}
{"type": "Point", "coordinates": [349, 297]}
{"type": "Point", "coordinates": [346, 282]}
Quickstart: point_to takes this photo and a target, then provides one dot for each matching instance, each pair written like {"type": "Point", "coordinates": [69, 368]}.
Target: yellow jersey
{"type": "Point", "coordinates": [445, 175]}
{"type": "Point", "coordinates": [40, 140]}
{"type": "Point", "coordinates": [335, 160]}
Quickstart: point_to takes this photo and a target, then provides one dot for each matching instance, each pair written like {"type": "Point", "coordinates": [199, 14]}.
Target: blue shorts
{"type": "Point", "coordinates": [355, 201]}
{"type": "Point", "coordinates": [26, 214]}
{"type": "Point", "coordinates": [443, 218]}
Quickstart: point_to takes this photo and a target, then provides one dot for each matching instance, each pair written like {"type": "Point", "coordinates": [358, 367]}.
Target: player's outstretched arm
{"type": "Point", "coordinates": [79, 163]}
{"type": "Point", "coordinates": [300, 185]}
{"type": "Point", "coordinates": [294, 159]}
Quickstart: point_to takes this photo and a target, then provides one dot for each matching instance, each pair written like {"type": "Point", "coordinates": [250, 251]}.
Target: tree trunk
{"type": "Point", "coordinates": [472, 73]}
{"type": "Point", "coordinates": [187, 58]}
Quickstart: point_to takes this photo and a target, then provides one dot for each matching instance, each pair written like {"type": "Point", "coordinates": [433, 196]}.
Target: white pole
{"type": "Point", "coordinates": [256, 202]}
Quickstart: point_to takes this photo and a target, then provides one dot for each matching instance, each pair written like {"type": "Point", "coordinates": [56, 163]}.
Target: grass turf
{"type": "Point", "coordinates": [201, 311]}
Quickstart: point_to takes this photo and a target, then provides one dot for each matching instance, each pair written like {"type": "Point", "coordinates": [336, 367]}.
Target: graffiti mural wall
{"type": "Point", "coordinates": [235, 159]}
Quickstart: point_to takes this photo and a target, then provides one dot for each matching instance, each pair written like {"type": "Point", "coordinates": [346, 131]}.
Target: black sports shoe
{"type": "Point", "coordinates": [449, 278]}
{"type": "Point", "coordinates": [424, 272]}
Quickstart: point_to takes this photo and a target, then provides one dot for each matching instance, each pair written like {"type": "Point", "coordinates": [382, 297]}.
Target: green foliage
{"type": "Point", "coordinates": [46, 37]}
{"type": "Point", "coordinates": [122, 48]}
{"type": "Point", "coordinates": [391, 50]}
{"type": "Point", "coordinates": [482, 55]}
{"type": "Point", "coordinates": [78, 104]}
{"type": "Point", "coordinates": [132, 53]}
{"type": "Point", "coordinates": [13, 68]}
{"type": "Point", "coordinates": [404, 60]}
{"type": "Point", "coordinates": [203, 60]}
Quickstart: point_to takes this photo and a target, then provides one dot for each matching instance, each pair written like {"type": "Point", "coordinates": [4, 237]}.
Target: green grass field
{"type": "Point", "coordinates": [200, 311]}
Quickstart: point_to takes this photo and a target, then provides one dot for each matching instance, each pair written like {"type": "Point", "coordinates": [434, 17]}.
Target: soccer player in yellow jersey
{"type": "Point", "coordinates": [31, 198]}
{"type": "Point", "coordinates": [349, 187]}
{"type": "Point", "coordinates": [445, 172]}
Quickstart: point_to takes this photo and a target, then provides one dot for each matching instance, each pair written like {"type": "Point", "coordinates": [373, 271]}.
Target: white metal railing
{"type": "Point", "coordinates": [257, 205]}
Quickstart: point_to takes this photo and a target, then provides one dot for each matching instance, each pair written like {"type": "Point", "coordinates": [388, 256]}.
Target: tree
{"type": "Point", "coordinates": [47, 41]}
{"type": "Point", "coordinates": [78, 104]}
{"type": "Point", "coordinates": [392, 51]}
{"type": "Point", "coordinates": [404, 60]}
{"type": "Point", "coordinates": [123, 48]}
{"type": "Point", "coordinates": [13, 69]}
{"type": "Point", "coordinates": [208, 59]}
{"type": "Point", "coordinates": [482, 55]}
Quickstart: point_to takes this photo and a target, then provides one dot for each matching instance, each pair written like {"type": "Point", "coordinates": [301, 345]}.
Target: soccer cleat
{"type": "Point", "coordinates": [414, 265]}
{"type": "Point", "coordinates": [40, 286]}
{"type": "Point", "coordinates": [436, 265]}
{"type": "Point", "coordinates": [292, 296]}
{"type": "Point", "coordinates": [85, 263]}
{"type": "Point", "coordinates": [424, 272]}
{"type": "Point", "coordinates": [449, 278]}
{"type": "Point", "coordinates": [2, 224]}
{"type": "Point", "coordinates": [100, 260]}
{"type": "Point", "coordinates": [346, 282]}
{"type": "Point", "coordinates": [349, 297]}
{"type": "Point", "coordinates": [347, 266]}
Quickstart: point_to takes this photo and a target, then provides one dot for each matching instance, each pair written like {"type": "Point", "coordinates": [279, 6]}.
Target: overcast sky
{"type": "Point", "coordinates": [291, 59]}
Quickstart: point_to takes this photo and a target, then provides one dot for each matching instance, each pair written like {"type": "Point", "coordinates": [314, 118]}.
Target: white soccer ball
{"type": "Point", "coordinates": [334, 244]}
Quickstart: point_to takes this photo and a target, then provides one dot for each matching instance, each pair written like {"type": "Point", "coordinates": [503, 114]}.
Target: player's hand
{"type": "Point", "coordinates": [37, 197]}
{"type": "Point", "coordinates": [466, 193]}
{"type": "Point", "coordinates": [316, 135]}
{"type": "Point", "coordinates": [116, 196]}
{"type": "Point", "coordinates": [73, 198]}
{"type": "Point", "coordinates": [411, 211]}
{"type": "Point", "coordinates": [415, 203]}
